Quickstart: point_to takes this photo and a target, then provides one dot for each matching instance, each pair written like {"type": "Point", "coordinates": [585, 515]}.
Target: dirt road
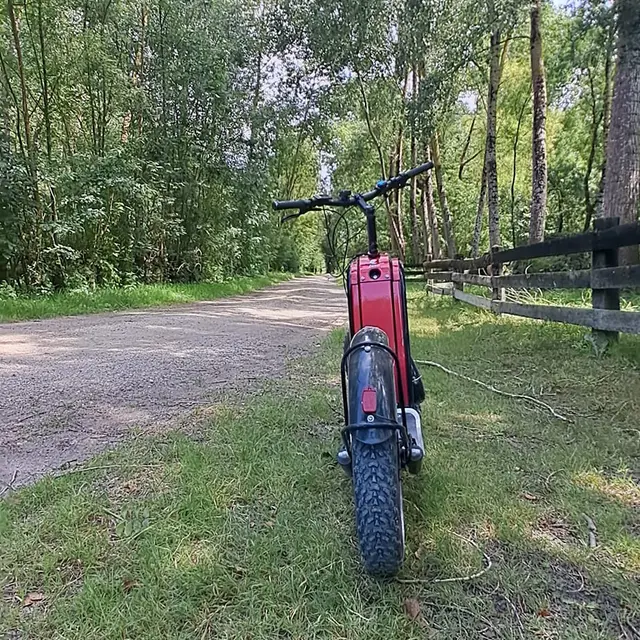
{"type": "Point", "coordinates": [71, 387]}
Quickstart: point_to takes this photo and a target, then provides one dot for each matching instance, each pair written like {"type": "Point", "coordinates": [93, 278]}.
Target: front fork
{"type": "Point", "coordinates": [372, 414]}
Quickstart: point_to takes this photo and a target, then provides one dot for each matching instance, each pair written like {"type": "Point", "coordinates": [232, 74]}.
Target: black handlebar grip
{"type": "Point", "coordinates": [281, 205]}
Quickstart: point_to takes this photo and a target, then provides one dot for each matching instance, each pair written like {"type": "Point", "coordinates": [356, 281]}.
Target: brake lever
{"type": "Point", "coordinates": [315, 203]}
{"type": "Point", "coordinates": [291, 216]}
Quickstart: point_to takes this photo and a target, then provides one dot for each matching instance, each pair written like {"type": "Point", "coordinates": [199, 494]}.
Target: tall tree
{"type": "Point", "coordinates": [396, 167]}
{"type": "Point", "coordinates": [622, 183]}
{"type": "Point", "coordinates": [606, 115]}
{"type": "Point", "coordinates": [24, 115]}
{"type": "Point", "coordinates": [447, 222]}
{"type": "Point", "coordinates": [538, 211]}
{"type": "Point", "coordinates": [413, 195]}
{"type": "Point", "coordinates": [429, 218]}
{"type": "Point", "coordinates": [477, 227]}
{"type": "Point", "coordinates": [491, 159]}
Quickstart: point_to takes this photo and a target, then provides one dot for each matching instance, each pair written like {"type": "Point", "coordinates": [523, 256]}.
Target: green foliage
{"type": "Point", "coordinates": [158, 133]}
{"type": "Point", "coordinates": [151, 152]}
{"type": "Point", "coordinates": [446, 45]}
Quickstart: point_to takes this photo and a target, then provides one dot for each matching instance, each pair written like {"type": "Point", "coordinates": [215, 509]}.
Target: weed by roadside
{"type": "Point", "coordinates": [68, 303]}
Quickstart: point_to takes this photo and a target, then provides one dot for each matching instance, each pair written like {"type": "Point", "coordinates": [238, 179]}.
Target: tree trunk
{"type": "Point", "coordinates": [463, 161]}
{"type": "Point", "coordinates": [393, 231]}
{"type": "Point", "coordinates": [16, 104]}
{"type": "Point", "coordinates": [426, 246]}
{"type": "Point", "coordinates": [515, 170]}
{"type": "Point", "coordinates": [606, 117]}
{"type": "Point", "coordinates": [596, 118]}
{"type": "Point", "coordinates": [489, 164]}
{"type": "Point", "coordinates": [539, 154]}
{"type": "Point", "coordinates": [32, 161]}
{"type": "Point", "coordinates": [413, 204]}
{"type": "Point", "coordinates": [396, 196]}
{"type": "Point", "coordinates": [492, 165]}
{"type": "Point", "coordinates": [136, 75]}
{"type": "Point", "coordinates": [622, 185]}
{"type": "Point", "coordinates": [89, 72]}
{"type": "Point", "coordinates": [46, 110]}
{"type": "Point", "coordinates": [429, 219]}
{"type": "Point", "coordinates": [24, 100]}
{"type": "Point", "coordinates": [144, 23]}
{"type": "Point", "coordinates": [391, 204]}
{"type": "Point", "coordinates": [442, 197]}
{"type": "Point", "coordinates": [477, 227]}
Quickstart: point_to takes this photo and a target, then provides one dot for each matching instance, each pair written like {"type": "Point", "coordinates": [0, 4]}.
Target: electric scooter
{"type": "Point", "coordinates": [381, 387]}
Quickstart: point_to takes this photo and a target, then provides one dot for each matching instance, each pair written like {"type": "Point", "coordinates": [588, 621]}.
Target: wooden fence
{"type": "Point", "coordinates": [605, 278]}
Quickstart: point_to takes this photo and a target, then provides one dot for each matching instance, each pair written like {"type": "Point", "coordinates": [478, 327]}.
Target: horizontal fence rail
{"type": "Point", "coordinates": [602, 319]}
{"type": "Point", "coordinates": [605, 278]}
{"type": "Point", "coordinates": [608, 278]}
{"type": "Point", "coordinates": [624, 235]}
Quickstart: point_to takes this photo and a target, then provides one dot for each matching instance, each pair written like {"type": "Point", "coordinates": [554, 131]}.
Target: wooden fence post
{"type": "Point", "coordinates": [605, 298]}
{"type": "Point", "coordinates": [497, 293]}
{"type": "Point", "coordinates": [458, 285]}
{"type": "Point", "coordinates": [426, 272]}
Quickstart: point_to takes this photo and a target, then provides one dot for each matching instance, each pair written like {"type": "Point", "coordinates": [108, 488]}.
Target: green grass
{"type": "Point", "coordinates": [629, 300]}
{"type": "Point", "coordinates": [243, 528]}
{"type": "Point", "coordinates": [111, 299]}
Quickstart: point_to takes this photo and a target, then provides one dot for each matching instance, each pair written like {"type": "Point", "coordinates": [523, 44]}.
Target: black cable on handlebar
{"type": "Point", "coordinates": [291, 216]}
{"type": "Point", "coordinates": [340, 252]}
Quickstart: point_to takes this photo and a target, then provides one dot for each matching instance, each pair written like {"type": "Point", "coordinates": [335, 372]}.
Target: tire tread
{"type": "Point", "coordinates": [378, 501]}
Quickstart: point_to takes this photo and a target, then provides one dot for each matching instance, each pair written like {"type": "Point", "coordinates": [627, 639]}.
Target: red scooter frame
{"type": "Point", "coordinates": [377, 298]}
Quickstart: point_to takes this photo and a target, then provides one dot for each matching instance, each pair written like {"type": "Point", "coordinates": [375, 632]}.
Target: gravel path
{"type": "Point", "coordinates": [71, 387]}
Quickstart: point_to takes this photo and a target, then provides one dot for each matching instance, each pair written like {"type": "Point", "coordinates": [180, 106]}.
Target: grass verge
{"type": "Point", "coordinates": [244, 527]}
{"type": "Point", "coordinates": [629, 300]}
{"type": "Point", "coordinates": [68, 303]}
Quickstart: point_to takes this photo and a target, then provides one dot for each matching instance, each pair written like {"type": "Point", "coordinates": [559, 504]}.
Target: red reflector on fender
{"type": "Point", "coordinates": [369, 400]}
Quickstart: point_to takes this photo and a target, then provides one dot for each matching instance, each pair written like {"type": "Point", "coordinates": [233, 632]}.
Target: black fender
{"type": "Point", "coordinates": [371, 368]}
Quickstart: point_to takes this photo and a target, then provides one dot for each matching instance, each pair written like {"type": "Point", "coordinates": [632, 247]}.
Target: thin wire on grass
{"type": "Point", "coordinates": [515, 611]}
{"type": "Point", "coordinates": [455, 607]}
{"type": "Point", "coordinates": [591, 526]}
{"type": "Point", "coordinates": [10, 485]}
{"type": "Point", "coordinates": [473, 576]}
{"type": "Point", "coordinates": [580, 588]}
{"type": "Point", "coordinates": [547, 481]}
{"type": "Point", "coordinates": [337, 412]}
{"type": "Point", "coordinates": [486, 568]}
{"type": "Point", "coordinates": [517, 396]}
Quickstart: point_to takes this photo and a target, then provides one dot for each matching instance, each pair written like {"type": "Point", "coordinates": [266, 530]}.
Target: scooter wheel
{"type": "Point", "coordinates": [378, 501]}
